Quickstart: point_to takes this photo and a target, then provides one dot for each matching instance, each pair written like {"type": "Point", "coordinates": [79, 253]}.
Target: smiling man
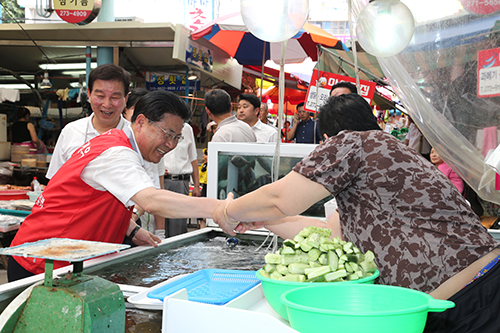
{"type": "Point", "coordinates": [107, 92]}
{"type": "Point", "coordinates": [92, 196]}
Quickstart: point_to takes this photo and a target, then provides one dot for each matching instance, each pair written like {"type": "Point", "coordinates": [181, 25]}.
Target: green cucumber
{"type": "Point", "coordinates": [297, 268]}
{"type": "Point", "coordinates": [269, 268]}
{"type": "Point", "coordinates": [333, 261]}
{"type": "Point", "coordinates": [313, 254]}
{"type": "Point", "coordinates": [287, 250]}
{"type": "Point", "coordinates": [293, 278]}
{"type": "Point", "coordinates": [318, 271]}
{"type": "Point", "coordinates": [336, 275]}
{"type": "Point", "coordinates": [272, 258]}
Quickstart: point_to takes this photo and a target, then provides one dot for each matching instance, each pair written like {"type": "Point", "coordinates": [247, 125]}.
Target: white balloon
{"type": "Point", "coordinates": [385, 27]}
{"type": "Point", "coordinates": [274, 20]}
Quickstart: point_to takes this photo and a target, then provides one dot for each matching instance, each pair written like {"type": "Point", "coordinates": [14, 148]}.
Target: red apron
{"type": "Point", "coordinates": [69, 208]}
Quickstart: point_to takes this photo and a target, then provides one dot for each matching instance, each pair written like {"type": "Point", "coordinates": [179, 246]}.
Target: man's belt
{"type": "Point", "coordinates": [177, 177]}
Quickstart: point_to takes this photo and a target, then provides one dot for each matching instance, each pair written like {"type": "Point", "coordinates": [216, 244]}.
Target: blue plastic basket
{"type": "Point", "coordinates": [211, 286]}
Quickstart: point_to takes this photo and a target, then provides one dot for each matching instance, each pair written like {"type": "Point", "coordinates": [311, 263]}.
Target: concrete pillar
{"type": "Point", "coordinates": [106, 14]}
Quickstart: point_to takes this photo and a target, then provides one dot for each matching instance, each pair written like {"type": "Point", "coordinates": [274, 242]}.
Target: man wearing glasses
{"type": "Point", "coordinates": [108, 93]}
{"type": "Point", "coordinates": [92, 195]}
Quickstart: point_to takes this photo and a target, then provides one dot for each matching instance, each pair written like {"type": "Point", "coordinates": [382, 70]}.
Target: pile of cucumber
{"type": "Point", "coordinates": [312, 256]}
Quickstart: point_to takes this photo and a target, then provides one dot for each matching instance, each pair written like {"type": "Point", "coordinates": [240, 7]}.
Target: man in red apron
{"type": "Point", "coordinates": [92, 195]}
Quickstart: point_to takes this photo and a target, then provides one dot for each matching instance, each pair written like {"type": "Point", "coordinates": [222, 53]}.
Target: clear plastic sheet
{"type": "Point", "coordinates": [436, 78]}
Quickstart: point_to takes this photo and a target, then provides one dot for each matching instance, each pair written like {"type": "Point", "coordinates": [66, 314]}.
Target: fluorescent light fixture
{"type": "Point", "coordinates": [80, 65]}
{"type": "Point", "coordinates": [46, 82]}
{"type": "Point", "coordinates": [12, 78]}
{"type": "Point", "coordinates": [75, 73]}
{"type": "Point", "coordinates": [14, 86]}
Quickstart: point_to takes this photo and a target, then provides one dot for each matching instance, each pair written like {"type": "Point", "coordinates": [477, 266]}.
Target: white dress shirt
{"type": "Point", "coordinates": [119, 170]}
{"type": "Point", "coordinates": [72, 136]}
{"type": "Point", "coordinates": [264, 132]}
{"type": "Point", "coordinates": [178, 161]}
{"type": "Point", "coordinates": [233, 130]}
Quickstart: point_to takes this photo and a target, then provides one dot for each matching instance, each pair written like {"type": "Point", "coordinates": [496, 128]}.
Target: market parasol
{"type": "Point", "coordinates": [230, 34]}
{"type": "Point", "coordinates": [292, 98]}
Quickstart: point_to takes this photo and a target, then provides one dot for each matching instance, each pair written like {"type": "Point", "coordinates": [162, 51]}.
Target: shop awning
{"type": "Point", "coordinates": [342, 62]}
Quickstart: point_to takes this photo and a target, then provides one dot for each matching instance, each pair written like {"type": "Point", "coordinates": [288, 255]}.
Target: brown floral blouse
{"type": "Point", "coordinates": [395, 203]}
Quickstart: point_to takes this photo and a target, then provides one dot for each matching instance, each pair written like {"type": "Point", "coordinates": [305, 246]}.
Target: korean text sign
{"type": "Point", "coordinates": [169, 82]}
{"type": "Point", "coordinates": [488, 73]}
{"type": "Point", "coordinates": [77, 11]}
{"type": "Point", "coordinates": [321, 84]}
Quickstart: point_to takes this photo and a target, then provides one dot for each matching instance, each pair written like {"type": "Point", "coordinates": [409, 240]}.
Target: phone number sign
{"type": "Point", "coordinates": [321, 84]}
{"type": "Point", "coordinates": [481, 6]}
{"type": "Point", "coordinates": [77, 11]}
{"type": "Point", "coordinates": [488, 73]}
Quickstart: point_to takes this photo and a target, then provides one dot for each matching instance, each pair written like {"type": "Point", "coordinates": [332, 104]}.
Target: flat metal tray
{"type": "Point", "coordinates": [63, 249]}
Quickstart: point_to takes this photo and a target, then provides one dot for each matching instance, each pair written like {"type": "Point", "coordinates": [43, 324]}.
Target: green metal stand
{"type": "Point", "coordinates": [74, 303]}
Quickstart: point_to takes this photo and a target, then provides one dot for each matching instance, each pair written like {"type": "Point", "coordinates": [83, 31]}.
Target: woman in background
{"type": "Point", "coordinates": [24, 133]}
{"type": "Point", "coordinates": [444, 168]}
{"type": "Point", "coordinates": [133, 97]}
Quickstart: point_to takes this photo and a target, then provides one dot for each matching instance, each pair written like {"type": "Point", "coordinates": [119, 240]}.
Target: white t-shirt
{"type": "Point", "coordinates": [72, 137]}
{"type": "Point", "coordinates": [178, 161]}
{"type": "Point", "coordinates": [119, 170]}
{"type": "Point", "coordinates": [233, 130]}
{"type": "Point", "coordinates": [264, 132]}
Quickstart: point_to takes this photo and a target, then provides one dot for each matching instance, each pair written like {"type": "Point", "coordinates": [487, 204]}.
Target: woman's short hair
{"type": "Point", "coordinates": [346, 112]}
{"type": "Point", "coordinates": [134, 95]}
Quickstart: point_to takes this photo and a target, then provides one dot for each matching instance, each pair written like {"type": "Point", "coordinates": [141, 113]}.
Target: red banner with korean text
{"type": "Point", "coordinates": [488, 73]}
{"type": "Point", "coordinates": [321, 84]}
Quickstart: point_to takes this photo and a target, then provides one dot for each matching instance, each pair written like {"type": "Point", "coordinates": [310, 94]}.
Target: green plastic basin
{"type": "Point", "coordinates": [273, 289]}
{"type": "Point", "coordinates": [357, 308]}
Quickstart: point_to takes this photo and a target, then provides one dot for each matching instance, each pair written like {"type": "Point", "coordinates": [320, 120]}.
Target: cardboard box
{"type": "Point", "coordinates": [4, 151]}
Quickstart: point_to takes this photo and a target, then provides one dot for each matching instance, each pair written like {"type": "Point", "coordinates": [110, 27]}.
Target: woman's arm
{"type": "Point", "coordinates": [34, 137]}
{"type": "Point", "coordinates": [290, 226]}
{"type": "Point", "coordinates": [289, 196]}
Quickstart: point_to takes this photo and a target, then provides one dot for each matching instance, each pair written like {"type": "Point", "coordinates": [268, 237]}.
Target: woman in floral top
{"type": "Point", "coordinates": [393, 202]}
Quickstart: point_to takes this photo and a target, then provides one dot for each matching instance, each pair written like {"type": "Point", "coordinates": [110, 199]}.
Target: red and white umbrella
{"type": "Point", "coordinates": [230, 34]}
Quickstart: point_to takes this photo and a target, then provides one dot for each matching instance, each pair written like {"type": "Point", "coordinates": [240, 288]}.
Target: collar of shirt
{"type": "Point", "coordinates": [258, 124]}
{"type": "Point", "coordinates": [131, 137]}
{"type": "Point", "coordinates": [91, 131]}
{"type": "Point", "coordinates": [228, 120]}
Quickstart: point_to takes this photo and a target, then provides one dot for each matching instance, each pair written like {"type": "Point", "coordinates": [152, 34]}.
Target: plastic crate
{"type": "Point", "coordinates": [211, 286]}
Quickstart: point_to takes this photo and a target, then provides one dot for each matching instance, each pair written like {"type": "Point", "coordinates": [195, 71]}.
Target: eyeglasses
{"type": "Point", "coordinates": [168, 136]}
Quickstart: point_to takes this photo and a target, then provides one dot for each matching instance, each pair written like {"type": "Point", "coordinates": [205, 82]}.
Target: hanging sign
{"type": "Point", "coordinates": [199, 56]}
{"type": "Point", "coordinates": [169, 82]}
{"type": "Point", "coordinates": [481, 6]}
{"type": "Point", "coordinates": [321, 84]}
{"type": "Point", "coordinates": [79, 12]}
{"type": "Point", "coordinates": [197, 13]}
{"type": "Point", "coordinates": [488, 73]}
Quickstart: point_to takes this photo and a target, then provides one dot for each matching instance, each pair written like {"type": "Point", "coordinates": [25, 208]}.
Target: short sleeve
{"type": "Point", "coordinates": [117, 170]}
{"type": "Point", "coordinates": [334, 163]}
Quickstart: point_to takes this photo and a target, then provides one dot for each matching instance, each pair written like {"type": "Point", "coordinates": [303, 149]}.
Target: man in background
{"type": "Point", "coordinates": [107, 93]}
{"type": "Point", "coordinates": [181, 164]}
{"type": "Point", "coordinates": [304, 128]}
{"type": "Point", "coordinates": [229, 128]}
{"type": "Point", "coordinates": [248, 111]}
{"type": "Point", "coordinates": [343, 87]}
{"type": "Point", "coordinates": [264, 111]}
